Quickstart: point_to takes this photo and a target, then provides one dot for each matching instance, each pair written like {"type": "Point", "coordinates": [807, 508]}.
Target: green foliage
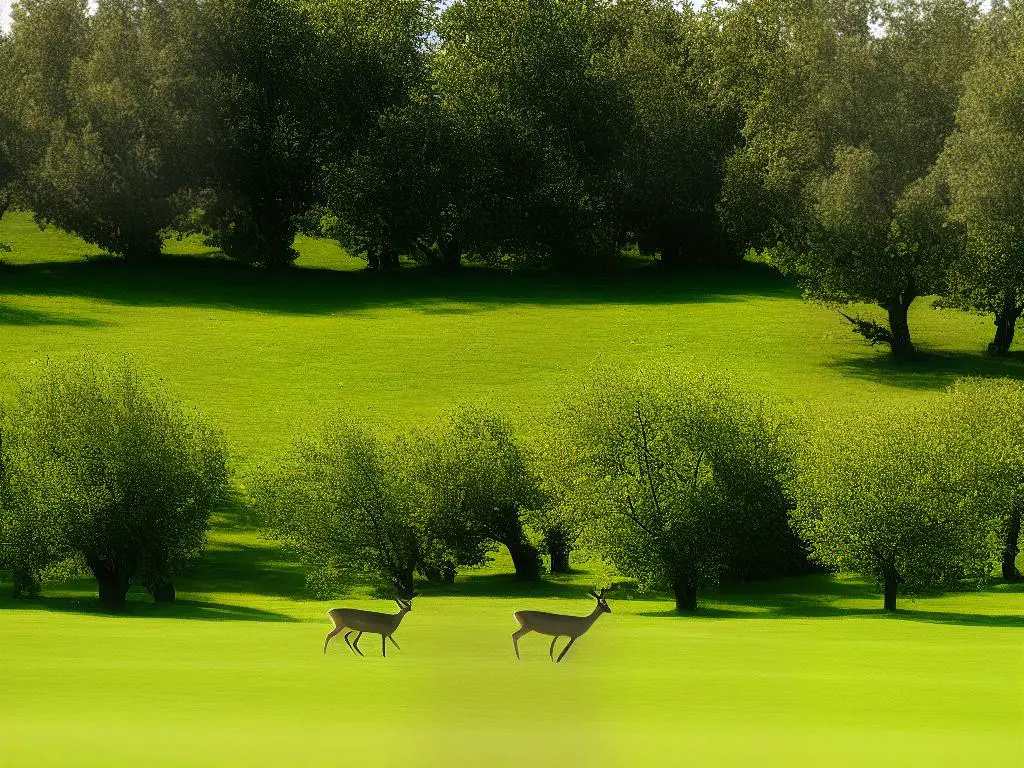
{"type": "Point", "coordinates": [296, 89]}
{"type": "Point", "coordinates": [839, 144]}
{"type": "Point", "coordinates": [989, 415]}
{"type": "Point", "coordinates": [33, 519]}
{"type": "Point", "coordinates": [908, 497]}
{"type": "Point", "coordinates": [540, 125]}
{"type": "Point", "coordinates": [344, 500]}
{"type": "Point", "coordinates": [136, 474]}
{"type": "Point", "coordinates": [677, 127]}
{"type": "Point", "coordinates": [111, 163]}
{"type": "Point", "coordinates": [685, 468]}
{"type": "Point", "coordinates": [478, 477]}
{"type": "Point", "coordinates": [394, 190]}
{"type": "Point", "coordinates": [983, 162]}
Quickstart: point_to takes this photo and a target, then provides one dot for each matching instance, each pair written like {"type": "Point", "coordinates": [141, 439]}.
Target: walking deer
{"type": "Point", "coordinates": [355, 620]}
{"type": "Point", "coordinates": [558, 625]}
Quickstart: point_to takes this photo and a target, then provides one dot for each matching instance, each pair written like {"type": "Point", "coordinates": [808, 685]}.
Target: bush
{"type": "Point", "coordinates": [478, 480]}
{"type": "Point", "coordinates": [32, 519]}
{"type": "Point", "coordinates": [687, 470]}
{"type": "Point", "coordinates": [344, 499]}
{"type": "Point", "coordinates": [137, 475]}
{"type": "Point", "coordinates": [902, 498]}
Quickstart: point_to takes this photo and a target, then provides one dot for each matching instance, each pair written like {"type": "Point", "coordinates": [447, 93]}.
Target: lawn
{"type": "Point", "coordinates": [796, 672]}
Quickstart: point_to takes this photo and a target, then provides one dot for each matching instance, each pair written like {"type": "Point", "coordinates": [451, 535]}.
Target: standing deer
{"type": "Point", "coordinates": [355, 620]}
{"type": "Point", "coordinates": [558, 625]}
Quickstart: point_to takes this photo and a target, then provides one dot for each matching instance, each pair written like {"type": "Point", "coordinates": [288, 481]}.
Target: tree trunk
{"type": "Point", "coordinates": [143, 248]}
{"type": "Point", "coordinates": [892, 581]}
{"type": "Point", "coordinates": [26, 584]}
{"type": "Point", "coordinates": [558, 548]}
{"type": "Point", "coordinates": [685, 590]}
{"type": "Point", "coordinates": [113, 584]}
{"type": "Point", "coordinates": [1010, 572]}
{"type": "Point", "coordinates": [275, 233]}
{"type": "Point", "coordinates": [671, 256]}
{"type": "Point", "coordinates": [162, 591]}
{"type": "Point", "coordinates": [899, 327]}
{"type": "Point", "coordinates": [438, 573]}
{"type": "Point", "coordinates": [525, 558]}
{"type": "Point", "coordinates": [451, 253]}
{"type": "Point", "coordinates": [1006, 325]}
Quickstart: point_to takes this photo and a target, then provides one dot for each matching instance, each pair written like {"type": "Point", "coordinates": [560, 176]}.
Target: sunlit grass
{"type": "Point", "coordinates": [800, 672]}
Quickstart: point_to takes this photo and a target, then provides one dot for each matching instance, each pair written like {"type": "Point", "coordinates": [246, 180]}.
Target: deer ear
{"type": "Point", "coordinates": [594, 595]}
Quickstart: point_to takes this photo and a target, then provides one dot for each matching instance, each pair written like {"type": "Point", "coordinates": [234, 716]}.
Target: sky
{"type": "Point", "coordinates": [5, 9]}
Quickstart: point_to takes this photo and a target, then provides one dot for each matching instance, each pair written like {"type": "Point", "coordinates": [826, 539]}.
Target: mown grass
{"type": "Point", "coordinates": [797, 672]}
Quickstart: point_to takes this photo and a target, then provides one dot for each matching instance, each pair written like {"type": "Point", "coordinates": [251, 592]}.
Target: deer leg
{"type": "Point", "coordinates": [348, 642]}
{"type": "Point", "coordinates": [551, 650]}
{"type": "Point", "coordinates": [567, 647]}
{"type": "Point", "coordinates": [355, 644]}
{"type": "Point", "coordinates": [394, 643]}
{"type": "Point", "coordinates": [383, 646]}
{"type": "Point", "coordinates": [515, 638]}
{"type": "Point", "coordinates": [331, 634]}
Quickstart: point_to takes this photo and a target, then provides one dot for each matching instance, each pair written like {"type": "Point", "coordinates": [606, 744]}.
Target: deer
{"type": "Point", "coordinates": [558, 625]}
{"type": "Point", "coordinates": [355, 620]}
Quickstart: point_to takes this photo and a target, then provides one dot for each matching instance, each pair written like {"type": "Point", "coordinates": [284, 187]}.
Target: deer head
{"type": "Point", "coordinates": [601, 602]}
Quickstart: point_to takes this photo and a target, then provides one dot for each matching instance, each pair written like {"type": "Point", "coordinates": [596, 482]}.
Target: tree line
{"type": "Point", "coordinates": [677, 482]}
{"type": "Point", "coordinates": [870, 149]}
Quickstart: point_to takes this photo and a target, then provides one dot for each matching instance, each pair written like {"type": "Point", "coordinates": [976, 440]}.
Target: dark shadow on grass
{"type": "Point", "coordinates": [217, 282]}
{"type": "Point", "coordinates": [819, 597]}
{"type": "Point", "coordinates": [143, 608]}
{"type": "Point", "coordinates": [20, 316]}
{"type": "Point", "coordinates": [966, 619]}
{"type": "Point", "coordinates": [932, 370]}
{"type": "Point", "coordinates": [247, 570]}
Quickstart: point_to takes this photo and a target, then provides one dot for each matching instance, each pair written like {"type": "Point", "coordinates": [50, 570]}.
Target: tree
{"type": "Point", "coordinates": [11, 134]}
{"type": "Point", "coordinates": [476, 471]}
{"type": "Point", "coordinates": [404, 192]}
{"type": "Point", "coordinates": [989, 416]}
{"type": "Point", "coordinates": [399, 191]}
{"type": "Point", "coordinates": [36, 58]}
{"type": "Point", "coordinates": [343, 498]}
{"type": "Point", "coordinates": [833, 178]}
{"type": "Point", "coordinates": [140, 475]}
{"type": "Point", "coordinates": [679, 465]}
{"type": "Point", "coordinates": [901, 498]}
{"type": "Point", "coordinates": [297, 87]}
{"type": "Point", "coordinates": [116, 156]}
{"type": "Point", "coordinates": [983, 162]}
{"type": "Point", "coordinates": [540, 126]}
{"type": "Point", "coordinates": [679, 128]}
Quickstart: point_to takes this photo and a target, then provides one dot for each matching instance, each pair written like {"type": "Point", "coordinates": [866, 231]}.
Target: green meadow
{"type": "Point", "coordinates": [796, 672]}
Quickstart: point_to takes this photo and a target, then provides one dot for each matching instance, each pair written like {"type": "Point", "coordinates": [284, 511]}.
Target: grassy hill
{"type": "Point", "coordinates": [795, 672]}
{"type": "Point", "coordinates": [263, 353]}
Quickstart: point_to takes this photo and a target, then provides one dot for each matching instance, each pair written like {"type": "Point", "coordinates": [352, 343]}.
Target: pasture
{"type": "Point", "coordinates": [796, 672]}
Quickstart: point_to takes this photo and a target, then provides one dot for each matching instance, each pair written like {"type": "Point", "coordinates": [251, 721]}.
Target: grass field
{"type": "Point", "coordinates": [798, 672]}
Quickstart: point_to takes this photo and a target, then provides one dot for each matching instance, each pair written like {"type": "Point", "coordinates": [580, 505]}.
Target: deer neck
{"type": "Point", "coordinates": [399, 616]}
{"type": "Point", "coordinates": [594, 616]}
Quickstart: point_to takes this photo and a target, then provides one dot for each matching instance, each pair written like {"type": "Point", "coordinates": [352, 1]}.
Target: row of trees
{"type": "Point", "coordinates": [872, 149]}
{"type": "Point", "coordinates": [676, 482]}
{"type": "Point", "coordinates": [523, 133]}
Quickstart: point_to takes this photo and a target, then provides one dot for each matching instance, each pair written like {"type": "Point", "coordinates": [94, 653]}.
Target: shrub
{"type": "Point", "coordinates": [139, 476]}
